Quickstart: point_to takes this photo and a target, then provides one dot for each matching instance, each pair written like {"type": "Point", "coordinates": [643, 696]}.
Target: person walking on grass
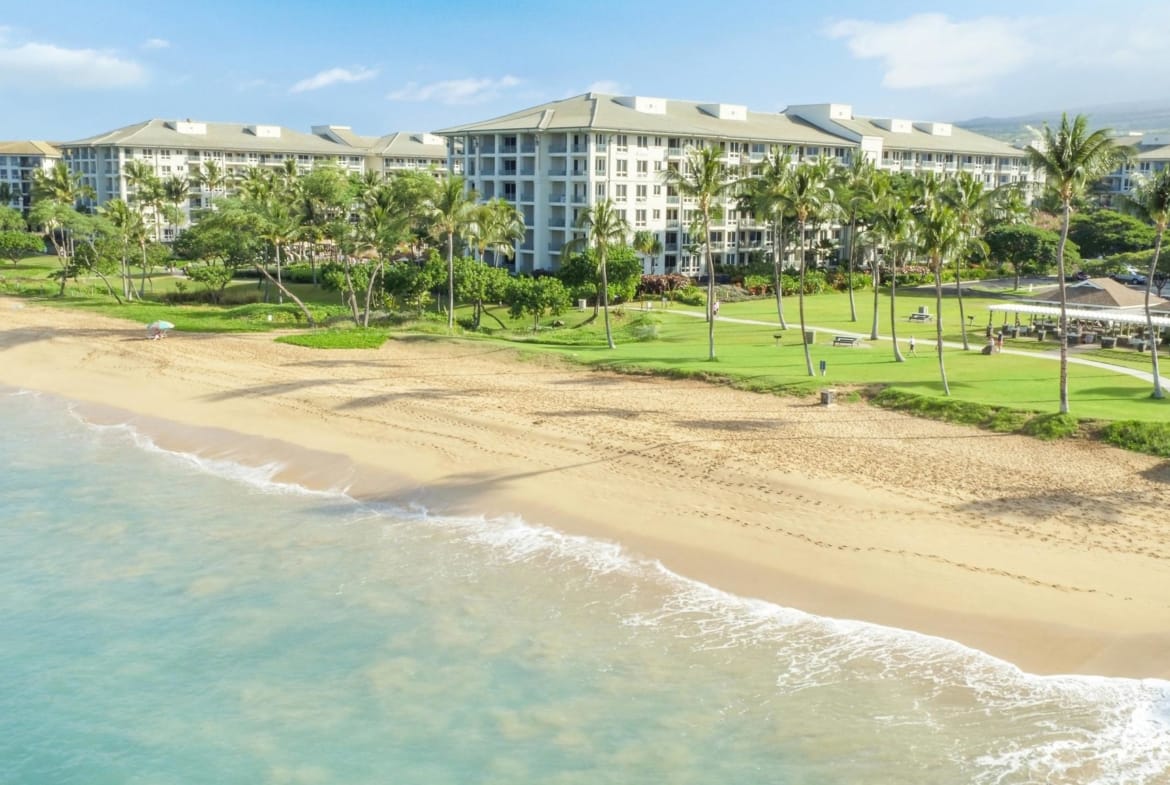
{"type": "Point", "coordinates": [912, 351]}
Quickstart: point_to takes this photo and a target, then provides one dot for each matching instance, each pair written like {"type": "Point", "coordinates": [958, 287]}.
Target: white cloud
{"type": "Point", "coordinates": [156, 43]}
{"type": "Point", "coordinates": [930, 50]}
{"type": "Point", "coordinates": [40, 66]}
{"type": "Point", "coordinates": [455, 91]}
{"type": "Point", "coordinates": [334, 76]}
{"type": "Point", "coordinates": [607, 87]}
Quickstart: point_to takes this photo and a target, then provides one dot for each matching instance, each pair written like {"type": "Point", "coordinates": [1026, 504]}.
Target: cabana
{"type": "Point", "coordinates": [1100, 321]}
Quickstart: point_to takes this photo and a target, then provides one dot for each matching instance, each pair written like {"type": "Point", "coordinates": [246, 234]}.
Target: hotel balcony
{"type": "Point", "coordinates": [557, 172]}
{"type": "Point", "coordinates": [557, 149]}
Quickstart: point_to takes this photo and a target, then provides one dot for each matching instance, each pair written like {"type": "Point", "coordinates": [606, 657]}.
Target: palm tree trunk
{"type": "Point", "coordinates": [370, 292]}
{"type": "Point", "coordinates": [605, 299]}
{"type": "Point", "coordinates": [1154, 336]}
{"type": "Point", "coordinates": [938, 326]}
{"type": "Point", "coordinates": [351, 295]}
{"type": "Point", "coordinates": [777, 264]}
{"type": "Point", "coordinates": [893, 308]}
{"type": "Point", "coordinates": [876, 275]}
{"type": "Point", "coordinates": [962, 315]}
{"type": "Point", "coordinates": [279, 279]}
{"type": "Point", "coordinates": [710, 283]}
{"type": "Point", "coordinates": [849, 268]}
{"type": "Point", "coordinates": [800, 300]}
{"type": "Point", "coordinates": [142, 283]}
{"type": "Point", "coordinates": [280, 286]}
{"type": "Point", "coordinates": [1067, 214]}
{"type": "Point", "coordinates": [451, 281]}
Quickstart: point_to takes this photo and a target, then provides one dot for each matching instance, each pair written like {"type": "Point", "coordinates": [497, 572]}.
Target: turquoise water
{"type": "Point", "coordinates": [164, 620]}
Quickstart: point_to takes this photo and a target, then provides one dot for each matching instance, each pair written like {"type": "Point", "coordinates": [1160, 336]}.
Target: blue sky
{"type": "Point", "coordinates": [72, 69]}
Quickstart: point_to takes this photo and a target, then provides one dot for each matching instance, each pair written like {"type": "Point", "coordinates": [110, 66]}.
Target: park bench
{"type": "Point", "coordinates": [920, 317]}
{"type": "Point", "coordinates": [844, 340]}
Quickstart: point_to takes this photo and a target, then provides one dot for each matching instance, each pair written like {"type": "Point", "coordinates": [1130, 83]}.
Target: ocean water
{"type": "Point", "coordinates": [165, 620]}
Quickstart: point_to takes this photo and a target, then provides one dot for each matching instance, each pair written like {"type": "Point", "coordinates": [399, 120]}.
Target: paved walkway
{"type": "Point", "coordinates": [1146, 376]}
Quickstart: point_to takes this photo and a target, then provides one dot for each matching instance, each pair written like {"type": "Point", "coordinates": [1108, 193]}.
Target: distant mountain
{"type": "Point", "coordinates": [1122, 118]}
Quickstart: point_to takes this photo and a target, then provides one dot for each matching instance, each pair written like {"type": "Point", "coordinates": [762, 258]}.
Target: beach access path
{"type": "Point", "coordinates": [1055, 556]}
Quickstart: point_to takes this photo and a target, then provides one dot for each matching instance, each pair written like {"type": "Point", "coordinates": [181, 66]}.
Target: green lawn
{"type": "Point", "coordinates": [670, 342]}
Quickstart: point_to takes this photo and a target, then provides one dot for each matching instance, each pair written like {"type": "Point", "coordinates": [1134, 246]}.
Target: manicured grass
{"type": "Point", "coordinates": [338, 339]}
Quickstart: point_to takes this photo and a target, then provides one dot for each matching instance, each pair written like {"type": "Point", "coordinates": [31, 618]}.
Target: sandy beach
{"type": "Point", "coordinates": [1055, 557]}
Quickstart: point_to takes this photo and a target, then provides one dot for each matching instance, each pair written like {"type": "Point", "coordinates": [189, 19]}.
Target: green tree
{"type": "Point", "coordinates": [811, 199]}
{"type": "Point", "coordinates": [854, 186]}
{"type": "Point", "coordinates": [767, 197]}
{"type": "Point", "coordinates": [128, 228]}
{"type": "Point", "coordinates": [603, 227]}
{"type": "Point", "coordinates": [894, 227]}
{"type": "Point", "coordinates": [940, 236]}
{"type": "Point", "coordinates": [15, 246]}
{"type": "Point", "coordinates": [649, 245]}
{"type": "Point", "coordinates": [497, 227]}
{"type": "Point", "coordinates": [11, 220]}
{"type": "Point", "coordinates": [972, 206]}
{"type": "Point", "coordinates": [1071, 159]}
{"type": "Point", "coordinates": [479, 284]}
{"type": "Point", "coordinates": [146, 192]}
{"type": "Point", "coordinates": [536, 297]}
{"type": "Point", "coordinates": [1107, 232]}
{"type": "Point", "coordinates": [706, 179]}
{"type": "Point", "coordinates": [452, 210]}
{"type": "Point", "coordinates": [1029, 249]}
{"type": "Point", "coordinates": [1150, 200]}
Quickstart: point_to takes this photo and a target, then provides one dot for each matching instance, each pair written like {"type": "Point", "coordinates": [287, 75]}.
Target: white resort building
{"type": "Point", "coordinates": [1150, 154]}
{"type": "Point", "coordinates": [19, 161]}
{"type": "Point", "coordinates": [178, 148]}
{"type": "Point", "coordinates": [556, 159]}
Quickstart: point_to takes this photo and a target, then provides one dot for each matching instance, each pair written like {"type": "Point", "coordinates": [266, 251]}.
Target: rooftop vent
{"type": "Point", "coordinates": [643, 104]}
{"type": "Point", "coordinates": [264, 131]}
{"type": "Point", "coordinates": [428, 139]}
{"type": "Point", "coordinates": [725, 111]}
{"type": "Point", "coordinates": [895, 126]}
{"type": "Point", "coordinates": [188, 127]}
{"type": "Point", "coordinates": [934, 129]}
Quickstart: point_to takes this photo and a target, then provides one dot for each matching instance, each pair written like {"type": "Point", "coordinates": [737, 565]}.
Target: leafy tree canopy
{"type": "Point", "coordinates": [1107, 232]}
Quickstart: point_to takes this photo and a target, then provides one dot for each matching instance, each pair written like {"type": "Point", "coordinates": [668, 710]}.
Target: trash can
{"type": "Point", "coordinates": [923, 309]}
{"type": "Point", "coordinates": [581, 305]}
{"type": "Point", "coordinates": [810, 336]}
{"type": "Point", "coordinates": [1039, 335]}
{"type": "Point", "coordinates": [828, 397]}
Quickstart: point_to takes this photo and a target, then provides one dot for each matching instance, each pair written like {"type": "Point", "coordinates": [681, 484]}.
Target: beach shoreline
{"type": "Point", "coordinates": [1050, 556]}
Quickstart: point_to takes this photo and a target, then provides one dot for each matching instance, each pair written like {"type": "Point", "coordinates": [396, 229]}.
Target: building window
{"type": "Point", "coordinates": [643, 168]}
{"type": "Point", "coordinates": [658, 190]}
{"type": "Point", "coordinates": [599, 165]}
{"type": "Point", "coordinates": [620, 192]}
{"type": "Point", "coordinates": [657, 215]}
{"type": "Point", "coordinates": [622, 141]}
{"type": "Point", "coordinates": [658, 166]}
{"type": "Point", "coordinates": [640, 193]}
{"type": "Point", "coordinates": [639, 218]}
{"type": "Point", "coordinates": [599, 191]}
{"type": "Point", "coordinates": [643, 141]}
{"type": "Point", "coordinates": [623, 167]}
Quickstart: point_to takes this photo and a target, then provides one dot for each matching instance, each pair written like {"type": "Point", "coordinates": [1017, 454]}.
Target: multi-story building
{"type": "Point", "coordinates": [555, 160]}
{"type": "Point", "coordinates": [1149, 154]}
{"type": "Point", "coordinates": [180, 148]}
{"type": "Point", "coordinates": [19, 163]}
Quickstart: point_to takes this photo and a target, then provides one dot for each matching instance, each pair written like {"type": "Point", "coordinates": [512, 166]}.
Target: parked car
{"type": "Point", "coordinates": [1131, 279]}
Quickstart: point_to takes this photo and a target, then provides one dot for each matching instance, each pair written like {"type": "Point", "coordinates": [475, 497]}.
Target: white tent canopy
{"type": "Point", "coordinates": [1117, 316]}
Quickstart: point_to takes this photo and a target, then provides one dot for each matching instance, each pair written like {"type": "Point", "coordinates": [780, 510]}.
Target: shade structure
{"type": "Point", "coordinates": [1117, 316]}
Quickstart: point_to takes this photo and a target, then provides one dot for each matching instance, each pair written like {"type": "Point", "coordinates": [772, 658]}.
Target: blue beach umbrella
{"type": "Point", "coordinates": [158, 329]}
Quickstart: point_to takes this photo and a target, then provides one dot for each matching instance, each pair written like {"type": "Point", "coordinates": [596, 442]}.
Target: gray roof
{"type": "Point", "coordinates": [218, 136]}
{"type": "Point", "coordinates": [1101, 293]}
{"type": "Point", "coordinates": [405, 144]}
{"type": "Point", "coordinates": [30, 147]}
{"type": "Point", "coordinates": [959, 140]}
{"type": "Point", "coordinates": [596, 111]}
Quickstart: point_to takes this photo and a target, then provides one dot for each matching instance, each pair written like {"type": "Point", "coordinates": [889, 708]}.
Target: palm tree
{"type": "Point", "coordinates": [649, 244]}
{"type": "Point", "coordinates": [972, 206]}
{"type": "Point", "coordinates": [811, 199]}
{"type": "Point", "coordinates": [8, 194]}
{"type": "Point", "coordinates": [894, 225]}
{"type": "Point", "coordinates": [855, 192]}
{"type": "Point", "coordinates": [452, 211]}
{"type": "Point", "coordinates": [939, 237]}
{"type": "Point", "coordinates": [131, 231]}
{"type": "Point", "coordinates": [707, 180]}
{"type": "Point", "coordinates": [56, 195]}
{"type": "Point", "coordinates": [211, 177]}
{"type": "Point", "coordinates": [1150, 199]}
{"type": "Point", "coordinates": [767, 196]}
{"type": "Point", "coordinates": [498, 226]}
{"type": "Point", "coordinates": [603, 227]}
{"type": "Point", "coordinates": [146, 191]}
{"type": "Point", "coordinates": [1071, 159]}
